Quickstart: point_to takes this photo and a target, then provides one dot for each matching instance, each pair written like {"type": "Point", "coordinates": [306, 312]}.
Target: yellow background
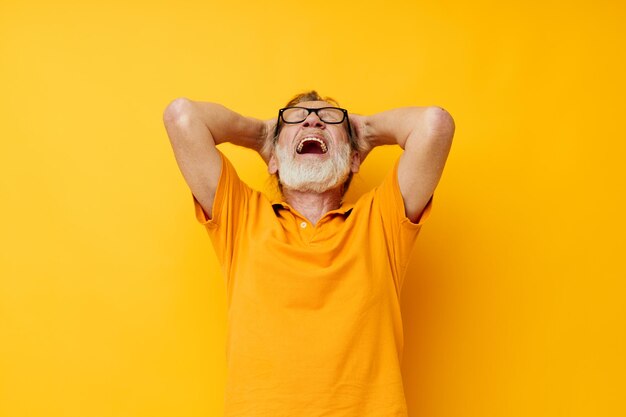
{"type": "Point", "coordinates": [111, 302]}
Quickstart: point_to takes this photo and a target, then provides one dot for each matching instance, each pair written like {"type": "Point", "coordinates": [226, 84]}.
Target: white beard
{"type": "Point", "coordinates": [311, 175]}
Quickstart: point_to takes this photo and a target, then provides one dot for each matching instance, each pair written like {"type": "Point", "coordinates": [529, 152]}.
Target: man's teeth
{"type": "Point", "coordinates": [307, 139]}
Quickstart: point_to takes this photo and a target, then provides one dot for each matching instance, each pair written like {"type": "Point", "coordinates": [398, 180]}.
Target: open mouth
{"type": "Point", "coordinates": [311, 144]}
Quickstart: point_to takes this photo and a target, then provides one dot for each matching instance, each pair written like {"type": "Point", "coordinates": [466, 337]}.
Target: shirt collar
{"type": "Point", "coordinates": [344, 209]}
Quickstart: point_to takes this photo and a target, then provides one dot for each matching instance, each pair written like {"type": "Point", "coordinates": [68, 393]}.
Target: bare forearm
{"type": "Point", "coordinates": [216, 123]}
{"type": "Point", "coordinates": [398, 126]}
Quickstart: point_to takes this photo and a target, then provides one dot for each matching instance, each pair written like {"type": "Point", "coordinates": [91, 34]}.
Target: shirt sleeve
{"type": "Point", "coordinates": [399, 231]}
{"type": "Point", "coordinates": [228, 213]}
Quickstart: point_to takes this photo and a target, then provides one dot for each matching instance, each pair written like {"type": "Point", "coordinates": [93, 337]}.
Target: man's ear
{"type": "Point", "coordinates": [272, 165]}
{"type": "Point", "coordinates": [355, 163]}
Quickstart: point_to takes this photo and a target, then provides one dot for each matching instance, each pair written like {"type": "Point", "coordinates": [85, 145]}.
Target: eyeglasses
{"type": "Point", "coordinates": [330, 115]}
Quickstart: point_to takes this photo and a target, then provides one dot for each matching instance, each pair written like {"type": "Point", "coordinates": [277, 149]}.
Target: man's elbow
{"type": "Point", "coordinates": [440, 124]}
{"type": "Point", "coordinates": [178, 112]}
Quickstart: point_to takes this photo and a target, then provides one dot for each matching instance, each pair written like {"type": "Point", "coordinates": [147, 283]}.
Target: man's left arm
{"type": "Point", "coordinates": [425, 134]}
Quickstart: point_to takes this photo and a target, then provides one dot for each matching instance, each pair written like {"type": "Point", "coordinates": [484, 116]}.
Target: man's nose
{"type": "Point", "coordinates": [313, 120]}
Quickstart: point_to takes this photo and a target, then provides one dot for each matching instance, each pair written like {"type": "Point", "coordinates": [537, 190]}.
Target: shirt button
{"type": "Point", "coordinates": [303, 225]}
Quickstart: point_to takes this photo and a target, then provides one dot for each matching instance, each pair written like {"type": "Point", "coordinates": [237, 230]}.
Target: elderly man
{"type": "Point", "coordinates": [313, 283]}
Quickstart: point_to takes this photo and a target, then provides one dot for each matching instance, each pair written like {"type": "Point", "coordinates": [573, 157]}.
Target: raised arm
{"type": "Point", "coordinates": [195, 128]}
{"type": "Point", "coordinates": [425, 134]}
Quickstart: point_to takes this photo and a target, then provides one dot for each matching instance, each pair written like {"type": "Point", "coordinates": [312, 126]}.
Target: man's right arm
{"type": "Point", "coordinates": [195, 128]}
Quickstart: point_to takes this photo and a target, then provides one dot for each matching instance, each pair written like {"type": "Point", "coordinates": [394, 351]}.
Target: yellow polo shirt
{"type": "Point", "coordinates": [314, 324]}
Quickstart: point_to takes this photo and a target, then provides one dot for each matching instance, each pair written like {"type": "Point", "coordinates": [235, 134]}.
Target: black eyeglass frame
{"type": "Point", "coordinates": [310, 110]}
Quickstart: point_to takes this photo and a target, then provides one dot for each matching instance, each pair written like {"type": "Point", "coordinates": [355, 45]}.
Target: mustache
{"type": "Point", "coordinates": [312, 175]}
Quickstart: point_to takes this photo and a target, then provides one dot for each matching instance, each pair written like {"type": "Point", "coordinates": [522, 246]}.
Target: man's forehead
{"type": "Point", "coordinates": [314, 104]}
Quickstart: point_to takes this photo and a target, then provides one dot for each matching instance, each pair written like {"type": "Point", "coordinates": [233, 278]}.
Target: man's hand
{"type": "Point", "coordinates": [361, 137]}
{"type": "Point", "coordinates": [266, 139]}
